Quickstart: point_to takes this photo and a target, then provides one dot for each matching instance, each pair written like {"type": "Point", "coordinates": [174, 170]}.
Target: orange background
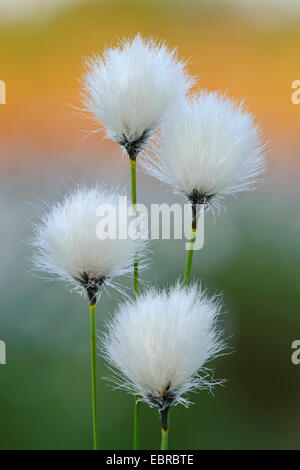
{"type": "Point", "coordinates": [41, 60]}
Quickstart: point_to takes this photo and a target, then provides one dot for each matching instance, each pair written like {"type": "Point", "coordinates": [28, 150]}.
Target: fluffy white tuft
{"type": "Point", "coordinates": [161, 342]}
{"type": "Point", "coordinates": [212, 147]}
{"type": "Point", "coordinates": [131, 88]}
{"type": "Point", "coordinates": [67, 244]}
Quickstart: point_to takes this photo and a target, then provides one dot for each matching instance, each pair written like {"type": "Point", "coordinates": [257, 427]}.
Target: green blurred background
{"type": "Point", "coordinates": [251, 252]}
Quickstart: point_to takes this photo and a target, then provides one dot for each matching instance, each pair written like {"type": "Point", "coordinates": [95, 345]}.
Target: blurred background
{"type": "Point", "coordinates": [251, 251]}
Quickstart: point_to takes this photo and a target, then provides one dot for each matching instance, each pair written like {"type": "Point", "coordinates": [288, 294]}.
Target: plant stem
{"type": "Point", "coordinates": [136, 428]}
{"type": "Point", "coordinates": [133, 200]}
{"type": "Point", "coordinates": [136, 437]}
{"type": "Point", "coordinates": [164, 439]}
{"type": "Point", "coordinates": [164, 415]}
{"type": "Point", "coordinates": [189, 259]}
{"type": "Point", "coordinates": [94, 376]}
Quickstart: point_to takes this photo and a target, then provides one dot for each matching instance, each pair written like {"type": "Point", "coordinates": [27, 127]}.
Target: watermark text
{"type": "Point", "coordinates": [162, 221]}
{"type": "Point", "coordinates": [2, 352]}
{"type": "Point", "coordinates": [296, 94]}
{"type": "Point", "coordinates": [2, 92]}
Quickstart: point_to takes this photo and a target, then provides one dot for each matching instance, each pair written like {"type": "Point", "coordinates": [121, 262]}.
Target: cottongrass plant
{"type": "Point", "coordinates": [209, 149]}
{"type": "Point", "coordinates": [131, 90]}
{"type": "Point", "coordinates": [160, 345]}
{"type": "Point", "coordinates": [71, 246]}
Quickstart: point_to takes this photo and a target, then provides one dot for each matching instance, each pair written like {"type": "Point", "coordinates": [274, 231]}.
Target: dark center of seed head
{"type": "Point", "coordinates": [134, 147]}
{"type": "Point", "coordinates": [92, 286]}
{"type": "Point", "coordinates": [199, 198]}
{"type": "Point", "coordinates": [163, 401]}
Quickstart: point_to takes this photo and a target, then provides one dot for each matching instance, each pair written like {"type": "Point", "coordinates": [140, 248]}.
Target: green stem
{"type": "Point", "coordinates": [94, 376]}
{"type": "Point", "coordinates": [133, 200]}
{"type": "Point", "coordinates": [164, 439]}
{"type": "Point", "coordinates": [136, 291]}
{"type": "Point", "coordinates": [136, 437]}
{"type": "Point", "coordinates": [165, 422]}
{"type": "Point", "coordinates": [133, 181]}
{"type": "Point", "coordinates": [189, 259]}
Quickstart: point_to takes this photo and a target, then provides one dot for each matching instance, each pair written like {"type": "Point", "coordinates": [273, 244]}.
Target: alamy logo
{"type": "Point", "coordinates": [162, 221]}
{"type": "Point", "coordinates": [2, 92]}
{"type": "Point", "coordinates": [296, 94]}
{"type": "Point", "coordinates": [2, 352]}
{"type": "Point", "coordinates": [295, 358]}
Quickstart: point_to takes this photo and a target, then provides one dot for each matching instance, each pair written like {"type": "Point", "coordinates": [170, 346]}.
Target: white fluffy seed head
{"type": "Point", "coordinates": [70, 245]}
{"type": "Point", "coordinates": [161, 342]}
{"type": "Point", "coordinates": [132, 88]}
{"type": "Point", "coordinates": [211, 146]}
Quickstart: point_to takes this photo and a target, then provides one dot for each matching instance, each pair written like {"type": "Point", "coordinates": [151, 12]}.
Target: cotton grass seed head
{"type": "Point", "coordinates": [161, 342]}
{"type": "Point", "coordinates": [210, 148]}
{"type": "Point", "coordinates": [132, 88]}
{"type": "Point", "coordinates": [69, 244]}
